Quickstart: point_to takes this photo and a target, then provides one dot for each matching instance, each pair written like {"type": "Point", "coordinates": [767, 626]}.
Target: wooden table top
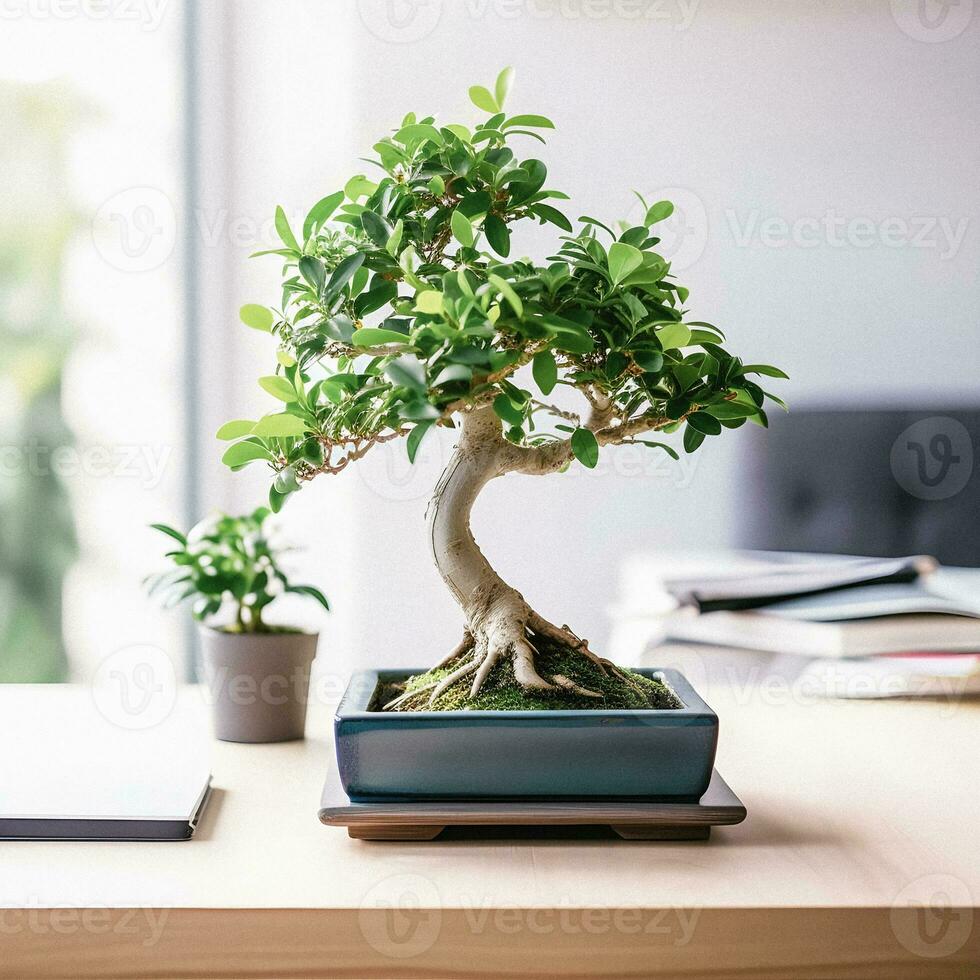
{"type": "Point", "coordinates": [858, 812]}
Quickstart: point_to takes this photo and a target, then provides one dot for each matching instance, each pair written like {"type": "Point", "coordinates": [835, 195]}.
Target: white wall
{"type": "Point", "coordinates": [766, 119]}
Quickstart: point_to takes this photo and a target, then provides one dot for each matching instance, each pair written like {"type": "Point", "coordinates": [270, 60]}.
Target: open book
{"type": "Point", "coordinates": [792, 576]}
{"type": "Point", "coordinates": [917, 616]}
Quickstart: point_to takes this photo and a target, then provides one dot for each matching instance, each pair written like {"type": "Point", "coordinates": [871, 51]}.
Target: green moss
{"type": "Point", "coordinates": [501, 691]}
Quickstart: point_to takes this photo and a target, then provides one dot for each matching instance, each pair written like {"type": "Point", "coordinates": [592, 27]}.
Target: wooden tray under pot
{"type": "Point", "coordinates": [630, 819]}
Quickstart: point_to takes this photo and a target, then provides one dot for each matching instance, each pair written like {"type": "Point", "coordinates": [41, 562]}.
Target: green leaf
{"type": "Point", "coordinates": [570, 336]}
{"type": "Point", "coordinates": [285, 358]}
{"type": "Point", "coordinates": [705, 423]}
{"type": "Point", "coordinates": [650, 361]}
{"type": "Point", "coordinates": [286, 481]}
{"type": "Point", "coordinates": [321, 212]}
{"type": "Point", "coordinates": [286, 253]}
{"type": "Point", "coordinates": [418, 410]}
{"type": "Point", "coordinates": [731, 410]}
{"type": "Point", "coordinates": [285, 232]}
{"type": "Point", "coordinates": [276, 499]}
{"type": "Point", "coordinates": [359, 186]}
{"type": "Point", "coordinates": [586, 220]}
{"type": "Point", "coordinates": [279, 388]}
{"type": "Point", "coordinates": [545, 371]}
{"type": "Point", "coordinates": [437, 186]}
{"type": "Point", "coordinates": [623, 259]}
{"type": "Point", "coordinates": [313, 593]}
{"type": "Point", "coordinates": [235, 430]}
{"type": "Point", "coordinates": [674, 335]}
{"type": "Point", "coordinates": [692, 439]}
{"type": "Point", "coordinates": [170, 532]}
{"type": "Point", "coordinates": [313, 272]}
{"type": "Point", "coordinates": [407, 370]}
{"type": "Point", "coordinates": [669, 450]}
{"type": "Point", "coordinates": [585, 447]}
{"type": "Point", "coordinates": [378, 337]}
{"type": "Point", "coordinates": [343, 273]}
{"type": "Point", "coordinates": [508, 293]}
{"type": "Point", "coordinates": [507, 410]}
{"type": "Point", "coordinates": [244, 452]}
{"type": "Point", "coordinates": [459, 131]}
{"type": "Point", "coordinates": [482, 99]}
{"type": "Point", "coordinates": [536, 122]}
{"type": "Point", "coordinates": [376, 228]}
{"type": "Point", "coordinates": [767, 369]}
{"type": "Point", "coordinates": [415, 438]}
{"type": "Point", "coordinates": [429, 301]}
{"type": "Point", "coordinates": [502, 87]}
{"type": "Point", "coordinates": [453, 373]}
{"type": "Point", "coordinates": [396, 238]}
{"type": "Point", "coordinates": [658, 212]}
{"type": "Point", "coordinates": [553, 215]}
{"type": "Point", "coordinates": [462, 228]}
{"type": "Point", "coordinates": [475, 204]}
{"type": "Point", "coordinates": [498, 235]}
{"type": "Point", "coordinates": [257, 317]}
{"type": "Point", "coordinates": [279, 425]}
{"type": "Point", "coordinates": [383, 291]}
{"type": "Point", "coordinates": [415, 134]}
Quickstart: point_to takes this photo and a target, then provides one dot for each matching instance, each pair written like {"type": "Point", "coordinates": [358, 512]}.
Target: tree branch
{"type": "Point", "coordinates": [539, 460]}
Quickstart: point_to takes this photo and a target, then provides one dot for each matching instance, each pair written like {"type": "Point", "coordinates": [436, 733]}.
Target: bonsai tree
{"type": "Point", "coordinates": [403, 310]}
{"type": "Point", "coordinates": [226, 560]}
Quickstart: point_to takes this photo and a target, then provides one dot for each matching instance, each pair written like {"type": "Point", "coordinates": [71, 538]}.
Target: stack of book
{"type": "Point", "coordinates": [875, 627]}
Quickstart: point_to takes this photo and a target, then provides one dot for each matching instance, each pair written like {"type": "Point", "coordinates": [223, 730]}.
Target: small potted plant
{"type": "Point", "coordinates": [258, 674]}
{"type": "Point", "coordinates": [404, 310]}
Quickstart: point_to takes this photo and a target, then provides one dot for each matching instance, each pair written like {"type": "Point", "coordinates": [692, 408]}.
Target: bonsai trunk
{"type": "Point", "coordinates": [499, 622]}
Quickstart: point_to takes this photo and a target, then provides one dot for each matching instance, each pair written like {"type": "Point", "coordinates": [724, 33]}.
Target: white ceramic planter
{"type": "Point", "coordinates": [258, 683]}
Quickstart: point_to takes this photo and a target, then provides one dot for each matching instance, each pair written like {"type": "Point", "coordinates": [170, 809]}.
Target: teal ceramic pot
{"type": "Point", "coordinates": [663, 753]}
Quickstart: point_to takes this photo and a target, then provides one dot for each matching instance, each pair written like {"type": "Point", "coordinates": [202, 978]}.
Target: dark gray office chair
{"type": "Point", "coordinates": [878, 482]}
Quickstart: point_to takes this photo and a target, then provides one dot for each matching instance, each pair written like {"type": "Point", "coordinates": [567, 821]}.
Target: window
{"type": "Point", "coordinates": [90, 330]}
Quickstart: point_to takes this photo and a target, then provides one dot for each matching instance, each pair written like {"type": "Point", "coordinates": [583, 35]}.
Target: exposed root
{"type": "Point", "coordinates": [565, 637]}
{"type": "Point", "coordinates": [465, 645]}
{"type": "Point", "coordinates": [569, 685]}
{"type": "Point", "coordinates": [456, 675]}
{"type": "Point", "coordinates": [524, 671]}
{"type": "Point", "coordinates": [504, 628]}
{"type": "Point", "coordinates": [489, 658]}
{"type": "Point", "coordinates": [402, 698]}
